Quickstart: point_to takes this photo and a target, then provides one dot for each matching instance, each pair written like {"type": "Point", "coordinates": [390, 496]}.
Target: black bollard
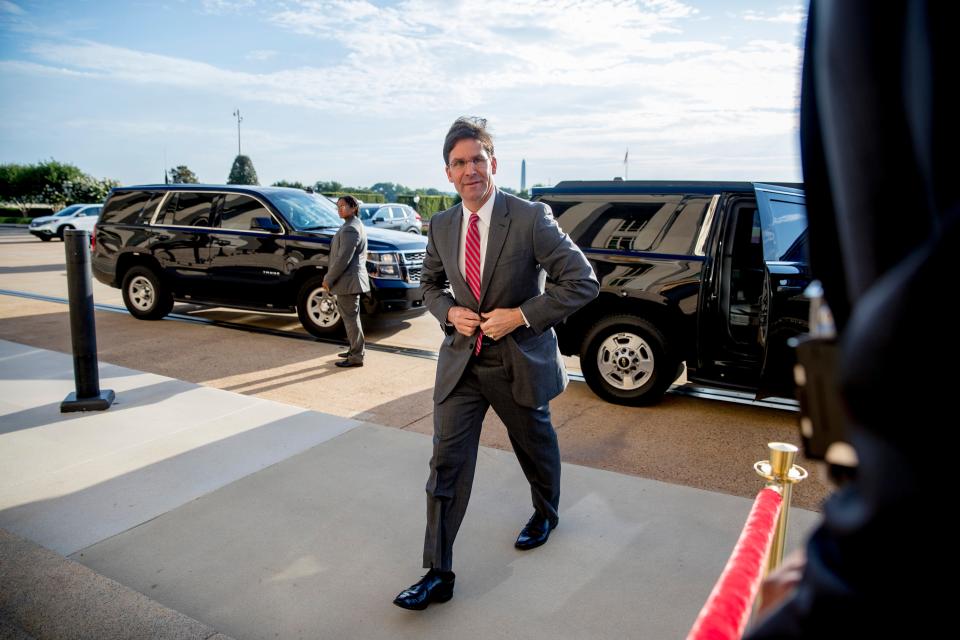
{"type": "Point", "coordinates": [83, 331]}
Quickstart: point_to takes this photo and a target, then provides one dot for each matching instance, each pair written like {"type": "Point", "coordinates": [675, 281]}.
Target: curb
{"type": "Point", "coordinates": [46, 596]}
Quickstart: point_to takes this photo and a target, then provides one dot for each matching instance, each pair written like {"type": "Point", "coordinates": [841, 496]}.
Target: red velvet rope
{"type": "Point", "coordinates": [727, 610]}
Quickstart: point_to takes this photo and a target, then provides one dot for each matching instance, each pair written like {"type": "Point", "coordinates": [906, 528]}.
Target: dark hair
{"type": "Point", "coordinates": [467, 127]}
{"type": "Point", "coordinates": [352, 202]}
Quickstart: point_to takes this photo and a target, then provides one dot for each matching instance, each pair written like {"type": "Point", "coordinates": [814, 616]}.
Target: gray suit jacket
{"type": "Point", "coordinates": [525, 245]}
{"type": "Point", "coordinates": [347, 269]}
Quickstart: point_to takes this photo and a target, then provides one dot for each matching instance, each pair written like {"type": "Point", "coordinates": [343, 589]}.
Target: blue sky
{"type": "Point", "coordinates": [362, 92]}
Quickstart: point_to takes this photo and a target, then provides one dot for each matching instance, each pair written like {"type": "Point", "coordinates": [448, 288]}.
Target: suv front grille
{"type": "Point", "coordinates": [414, 257]}
{"type": "Point", "coordinates": [412, 264]}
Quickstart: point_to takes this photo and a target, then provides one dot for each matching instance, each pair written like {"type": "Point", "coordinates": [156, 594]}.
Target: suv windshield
{"type": "Point", "coordinates": [306, 210]}
{"type": "Point", "coordinates": [72, 209]}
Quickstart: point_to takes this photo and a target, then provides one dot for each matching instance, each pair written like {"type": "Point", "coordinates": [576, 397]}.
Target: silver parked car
{"type": "Point", "coordinates": [391, 215]}
{"type": "Point", "coordinates": [76, 216]}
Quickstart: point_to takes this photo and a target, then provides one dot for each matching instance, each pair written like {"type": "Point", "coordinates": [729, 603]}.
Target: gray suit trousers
{"type": "Point", "coordinates": [349, 306]}
{"type": "Point", "coordinates": [456, 436]}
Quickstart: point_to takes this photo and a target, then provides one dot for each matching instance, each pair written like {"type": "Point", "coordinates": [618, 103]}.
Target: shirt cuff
{"type": "Point", "coordinates": [525, 322]}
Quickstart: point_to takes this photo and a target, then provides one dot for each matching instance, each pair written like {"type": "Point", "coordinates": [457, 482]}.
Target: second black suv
{"type": "Point", "coordinates": [710, 274]}
{"type": "Point", "coordinates": [259, 248]}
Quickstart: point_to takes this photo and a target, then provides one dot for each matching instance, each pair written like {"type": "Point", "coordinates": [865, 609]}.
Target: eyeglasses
{"type": "Point", "coordinates": [480, 162]}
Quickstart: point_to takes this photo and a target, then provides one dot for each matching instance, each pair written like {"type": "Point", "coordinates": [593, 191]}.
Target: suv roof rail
{"type": "Point", "coordinates": [658, 186]}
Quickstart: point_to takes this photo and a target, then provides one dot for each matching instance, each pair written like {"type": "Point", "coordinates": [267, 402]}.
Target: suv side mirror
{"type": "Point", "coordinates": [379, 218]}
{"type": "Point", "coordinates": [265, 224]}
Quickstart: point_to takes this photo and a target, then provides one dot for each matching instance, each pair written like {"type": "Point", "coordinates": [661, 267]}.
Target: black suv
{"type": "Point", "coordinates": [260, 248]}
{"type": "Point", "coordinates": [710, 274]}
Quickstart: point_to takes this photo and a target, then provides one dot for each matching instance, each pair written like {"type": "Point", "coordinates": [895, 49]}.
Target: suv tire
{"type": "Point", "coordinates": [62, 231]}
{"type": "Point", "coordinates": [145, 294]}
{"type": "Point", "coordinates": [318, 310]}
{"type": "Point", "coordinates": [626, 360]}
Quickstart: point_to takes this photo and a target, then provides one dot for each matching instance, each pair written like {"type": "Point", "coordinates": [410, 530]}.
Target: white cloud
{"type": "Point", "coordinates": [261, 54]}
{"type": "Point", "coordinates": [787, 15]}
{"type": "Point", "coordinates": [32, 68]}
{"type": "Point", "coordinates": [603, 63]}
{"type": "Point", "coordinates": [9, 7]}
{"type": "Point", "coordinates": [225, 6]}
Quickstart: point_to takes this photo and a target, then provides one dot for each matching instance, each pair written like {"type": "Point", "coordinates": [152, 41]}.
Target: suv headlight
{"type": "Point", "coordinates": [383, 265]}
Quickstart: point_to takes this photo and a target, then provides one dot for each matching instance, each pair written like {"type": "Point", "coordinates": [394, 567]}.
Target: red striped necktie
{"type": "Point", "coordinates": [472, 266]}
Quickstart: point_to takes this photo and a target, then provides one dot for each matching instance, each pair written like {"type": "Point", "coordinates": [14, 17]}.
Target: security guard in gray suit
{"type": "Point", "coordinates": [484, 278]}
{"type": "Point", "coordinates": [347, 276]}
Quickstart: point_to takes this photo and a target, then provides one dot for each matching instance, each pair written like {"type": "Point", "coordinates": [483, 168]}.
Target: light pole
{"type": "Point", "coordinates": [239, 118]}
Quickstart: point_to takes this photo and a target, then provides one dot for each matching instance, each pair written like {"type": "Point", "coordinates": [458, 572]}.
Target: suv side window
{"type": "Point", "coordinates": [788, 240]}
{"type": "Point", "coordinates": [240, 210]}
{"type": "Point", "coordinates": [666, 223]}
{"type": "Point", "coordinates": [189, 209]}
{"type": "Point", "coordinates": [127, 208]}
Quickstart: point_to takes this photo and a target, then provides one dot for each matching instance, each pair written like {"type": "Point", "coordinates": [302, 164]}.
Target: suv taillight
{"type": "Point", "coordinates": [93, 238]}
{"type": "Point", "coordinates": [418, 217]}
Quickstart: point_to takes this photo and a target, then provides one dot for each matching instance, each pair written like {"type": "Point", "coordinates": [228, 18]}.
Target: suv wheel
{"type": "Point", "coordinates": [317, 309]}
{"type": "Point", "coordinates": [145, 295]}
{"type": "Point", "coordinates": [627, 361]}
{"type": "Point", "coordinates": [62, 230]}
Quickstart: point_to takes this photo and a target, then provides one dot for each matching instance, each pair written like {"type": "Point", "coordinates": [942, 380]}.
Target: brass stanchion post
{"type": "Point", "coordinates": [781, 474]}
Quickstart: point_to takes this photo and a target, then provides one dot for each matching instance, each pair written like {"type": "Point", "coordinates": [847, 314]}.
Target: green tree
{"type": "Point", "coordinates": [181, 174]}
{"type": "Point", "coordinates": [292, 185]}
{"type": "Point", "coordinates": [83, 189]}
{"type": "Point", "coordinates": [242, 171]}
{"type": "Point", "coordinates": [323, 187]}
{"type": "Point", "coordinates": [51, 182]}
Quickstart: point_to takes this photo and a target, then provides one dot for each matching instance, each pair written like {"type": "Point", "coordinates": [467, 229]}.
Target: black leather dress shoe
{"type": "Point", "coordinates": [347, 363]}
{"type": "Point", "coordinates": [345, 354]}
{"type": "Point", "coordinates": [436, 586]}
{"type": "Point", "coordinates": [535, 533]}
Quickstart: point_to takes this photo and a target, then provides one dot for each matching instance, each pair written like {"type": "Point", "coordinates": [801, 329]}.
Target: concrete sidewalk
{"type": "Point", "coordinates": [195, 510]}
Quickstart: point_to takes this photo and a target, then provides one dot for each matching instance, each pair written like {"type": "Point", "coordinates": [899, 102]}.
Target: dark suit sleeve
{"type": "Point", "coordinates": [433, 280]}
{"type": "Point", "coordinates": [573, 281]}
{"type": "Point", "coordinates": [349, 240]}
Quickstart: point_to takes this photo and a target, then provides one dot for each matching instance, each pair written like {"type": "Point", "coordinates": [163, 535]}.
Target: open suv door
{"type": "Point", "coordinates": [752, 300]}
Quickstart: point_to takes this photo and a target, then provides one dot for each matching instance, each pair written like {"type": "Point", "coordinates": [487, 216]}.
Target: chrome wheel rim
{"type": "Point", "coordinates": [322, 308]}
{"type": "Point", "coordinates": [625, 361]}
{"type": "Point", "coordinates": [142, 293]}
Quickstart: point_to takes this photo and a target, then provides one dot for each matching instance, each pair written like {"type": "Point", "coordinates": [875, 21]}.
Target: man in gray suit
{"type": "Point", "coordinates": [484, 278]}
{"type": "Point", "coordinates": [347, 276]}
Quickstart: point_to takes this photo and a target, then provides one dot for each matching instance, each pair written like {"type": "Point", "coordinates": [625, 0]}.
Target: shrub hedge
{"type": "Point", "coordinates": [429, 205]}
{"type": "Point", "coordinates": [364, 196]}
{"type": "Point", "coordinates": [32, 211]}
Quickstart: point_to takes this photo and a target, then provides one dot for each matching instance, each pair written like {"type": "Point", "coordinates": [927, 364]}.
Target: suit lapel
{"type": "Point", "coordinates": [499, 223]}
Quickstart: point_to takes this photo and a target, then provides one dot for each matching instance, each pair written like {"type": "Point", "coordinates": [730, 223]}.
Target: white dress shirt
{"type": "Point", "coordinates": [483, 226]}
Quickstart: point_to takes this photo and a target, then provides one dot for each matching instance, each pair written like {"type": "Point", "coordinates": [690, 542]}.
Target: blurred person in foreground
{"type": "Point", "coordinates": [880, 137]}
